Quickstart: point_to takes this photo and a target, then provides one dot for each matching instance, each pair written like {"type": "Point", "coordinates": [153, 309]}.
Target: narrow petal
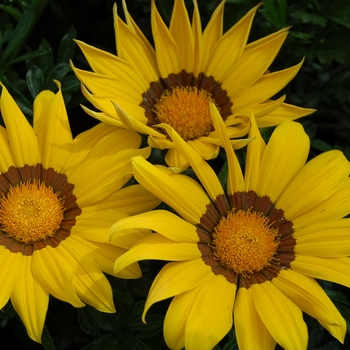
{"type": "Point", "coordinates": [206, 326]}
{"type": "Point", "coordinates": [21, 136]}
{"type": "Point", "coordinates": [55, 275]}
{"type": "Point", "coordinates": [176, 278]}
{"type": "Point", "coordinates": [167, 224]}
{"type": "Point", "coordinates": [54, 134]}
{"type": "Point", "coordinates": [255, 60]}
{"type": "Point", "coordinates": [105, 63]}
{"type": "Point", "coordinates": [166, 48]}
{"type": "Point", "coordinates": [6, 156]}
{"type": "Point", "coordinates": [157, 247]}
{"type": "Point", "coordinates": [306, 293]}
{"type": "Point", "coordinates": [197, 40]}
{"type": "Point", "coordinates": [228, 49]}
{"type": "Point", "coordinates": [266, 87]}
{"type": "Point", "coordinates": [285, 155]}
{"type": "Point", "coordinates": [337, 332]}
{"type": "Point", "coordinates": [168, 190]}
{"type": "Point", "coordinates": [30, 301]}
{"type": "Point", "coordinates": [324, 239]}
{"type": "Point", "coordinates": [316, 181]}
{"type": "Point", "coordinates": [181, 31]}
{"type": "Point", "coordinates": [334, 270]}
{"type": "Point", "coordinates": [251, 332]}
{"type": "Point", "coordinates": [89, 282]}
{"type": "Point", "coordinates": [11, 268]}
{"type": "Point", "coordinates": [281, 317]}
{"type": "Point", "coordinates": [204, 172]}
{"type": "Point", "coordinates": [235, 181]}
{"type": "Point", "coordinates": [133, 50]}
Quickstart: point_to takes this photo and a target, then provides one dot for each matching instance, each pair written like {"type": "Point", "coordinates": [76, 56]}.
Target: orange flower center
{"type": "Point", "coordinates": [244, 242]}
{"type": "Point", "coordinates": [31, 212]}
{"type": "Point", "coordinates": [187, 110]}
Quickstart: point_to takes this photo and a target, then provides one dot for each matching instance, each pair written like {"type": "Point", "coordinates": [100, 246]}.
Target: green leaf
{"type": "Point", "coordinates": [88, 322]}
{"type": "Point", "coordinates": [46, 61]}
{"type": "Point", "coordinates": [12, 11]}
{"type": "Point", "coordinates": [27, 56]}
{"type": "Point", "coordinates": [46, 340]}
{"type": "Point", "coordinates": [67, 46]}
{"type": "Point", "coordinates": [57, 73]}
{"type": "Point", "coordinates": [35, 80]}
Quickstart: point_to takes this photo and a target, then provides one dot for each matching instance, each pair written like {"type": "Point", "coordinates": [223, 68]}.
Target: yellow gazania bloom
{"type": "Point", "coordinates": [58, 199]}
{"type": "Point", "coordinates": [248, 255]}
{"type": "Point", "coordinates": [174, 83]}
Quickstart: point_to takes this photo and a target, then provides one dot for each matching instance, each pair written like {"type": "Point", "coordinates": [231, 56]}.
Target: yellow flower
{"type": "Point", "coordinates": [58, 199]}
{"type": "Point", "coordinates": [248, 255]}
{"type": "Point", "coordinates": [174, 83]}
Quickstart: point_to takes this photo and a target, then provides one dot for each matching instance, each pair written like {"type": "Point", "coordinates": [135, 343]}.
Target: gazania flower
{"type": "Point", "coordinates": [58, 199]}
{"type": "Point", "coordinates": [249, 255]}
{"type": "Point", "coordinates": [188, 68]}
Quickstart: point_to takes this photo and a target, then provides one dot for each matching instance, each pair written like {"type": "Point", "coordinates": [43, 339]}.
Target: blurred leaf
{"type": "Point", "coordinates": [88, 322]}
{"type": "Point", "coordinates": [67, 46]}
{"type": "Point", "coordinates": [57, 73]}
{"type": "Point", "coordinates": [275, 11]}
{"type": "Point", "coordinates": [46, 61]}
{"type": "Point", "coordinates": [35, 80]}
{"type": "Point", "coordinates": [46, 340]}
{"type": "Point", "coordinates": [12, 11]}
{"type": "Point", "coordinates": [26, 56]}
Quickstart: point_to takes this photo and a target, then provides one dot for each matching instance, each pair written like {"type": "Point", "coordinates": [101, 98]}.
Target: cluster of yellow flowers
{"type": "Point", "coordinates": [246, 255]}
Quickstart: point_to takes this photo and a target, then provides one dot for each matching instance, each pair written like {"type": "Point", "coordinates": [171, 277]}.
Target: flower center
{"type": "Point", "coordinates": [31, 212]}
{"type": "Point", "coordinates": [187, 110]}
{"type": "Point", "coordinates": [244, 242]}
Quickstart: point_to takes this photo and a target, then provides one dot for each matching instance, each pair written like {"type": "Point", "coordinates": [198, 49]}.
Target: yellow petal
{"type": "Point", "coordinates": [197, 38]}
{"type": "Point", "coordinates": [30, 301]}
{"type": "Point", "coordinates": [324, 239]}
{"type": "Point", "coordinates": [282, 318]}
{"type": "Point", "coordinates": [181, 31]}
{"type": "Point", "coordinates": [206, 326]}
{"type": "Point", "coordinates": [11, 268]}
{"type": "Point", "coordinates": [6, 156]}
{"type": "Point", "coordinates": [167, 224]}
{"type": "Point", "coordinates": [89, 282]}
{"type": "Point", "coordinates": [157, 247]}
{"type": "Point", "coordinates": [285, 155]}
{"type": "Point", "coordinates": [235, 181]}
{"type": "Point", "coordinates": [334, 270]}
{"type": "Point", "coordinates": [228, 49]}
{"type": "Point", "coordinates": [251, 332]}
{"type": "Point", "coordinates": [176, 278]}
{"type": "Point", "coordinates": [174, 159]}
{"type": "Point", "coordinates": [337, 332]}
{"type": "Point", "coordinates": [166, 48]}
{"type": "Point", "coordinates": [168, 190]}
{"type": "Point", "coordinates": [204, 172]}
{"type": "Point", "coordinates": [267, 86]}
{"type": "Point", "coordinates": [54, 134]}
{"type": "Point", "coordinates": [55, 275]}
{"type": "Point", "coordinates": [255, 60]}
{"type": "Point", "coordinates": [21, 136]}
{"type": "Point", "coordinates": [306, 293]}
{"type": "Point", "coordinates": [315, 182]}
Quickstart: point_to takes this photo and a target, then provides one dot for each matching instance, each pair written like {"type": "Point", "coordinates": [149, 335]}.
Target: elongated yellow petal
{"type": "Point", "coordinates": [21, 136]}
{"type": "Point", "coordinates": [206, 326]}
{"type": "Point", "coordinates": [337, 332]}
{"type": "Point", "coordinates": [235, 181]}
{"type": "Point", "coordinates": [251, 332]}
{"type": "Point", "coordinates": [6, 156]}
{"type": "Point", "coordinates": [228, 49]}
{"type": "Point", "coordinates": [255, 60]}
{"type": "Point", "coordinates": [204, 172]}
{"type": "Point", "coordinates": [197, 40]}
{"type": "Point", "coordinates": [267, 86]}
{"type": "Point", "coordinates": [165, 188]}
{"type": "Point", "coordinates": [281, 317]}
{"type": "Point", "coordinates": [166, 48]}
{"type": "Point", "coordinates": [176, 278]}
{"type": "Point", "coordinates": [324, 239]}
{"type": "Point", "coordinates": [167, 224]}
{"type": "Point", "coordinates": [157, 247]}
{"type": "Point", "coordinates": [55, 136]}
{"type": "Point", "coordinates": [89, 282]}
{"type": "Point", "coordinates": [306, 293]}
{"type": "Point", "coordinates": [333, 270]}
{"type": "Point", "coordinates": [10, 272]}
{"type": "Point", "coordinates": [55, 275]}
{"type": "Point", "coordinates": [30, 301]}
{"type": "Point", "coordinates": [181, 31]}
{"type": "Point", "coordinates": [316, 181]}
{"type": "Point", "coordinates": [285, 155]}
{"type": "Point", "coordinates": [105, 63]}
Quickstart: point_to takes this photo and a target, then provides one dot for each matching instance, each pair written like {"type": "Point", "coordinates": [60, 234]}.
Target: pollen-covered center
{"type": "Point", "coordinates": [186, 109]}
{"type": "Point", "coordinates": [31, 212]}
{"type": "Point", "coordinates": [244, 242]}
